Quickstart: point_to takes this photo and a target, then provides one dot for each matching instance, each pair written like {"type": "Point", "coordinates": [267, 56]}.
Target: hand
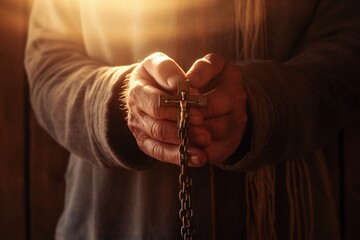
{"type": "Point", "coordinates": [155, 128]}
{"type": "Point", "coordinates": [225, 116]}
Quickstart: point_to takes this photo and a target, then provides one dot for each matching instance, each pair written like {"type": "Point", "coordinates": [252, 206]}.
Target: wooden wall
{"type": "Point", "coordinates": [351, 181]}
{"type": "Point", "coordinates": [13, 204]}
{"type": "Point", "coordinates": [12, 123]}
{"type": "Point", "coordinates": [32, 165]}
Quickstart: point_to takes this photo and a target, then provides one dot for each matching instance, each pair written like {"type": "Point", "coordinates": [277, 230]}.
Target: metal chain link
{"type": "Point", "coordinates": [185, 180]}
{"type": "Point", "coordinates": [183, 99]}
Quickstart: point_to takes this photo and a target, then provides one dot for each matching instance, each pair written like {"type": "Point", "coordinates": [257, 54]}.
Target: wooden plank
{"type": "Point", "coordinates": [48, 163]}
{"type": "Point", "coordinates": [352, 180]}
{"type": "Point", "coordinates": [12, 120]}
{"type": "Point", "coordinates": [47, 166]}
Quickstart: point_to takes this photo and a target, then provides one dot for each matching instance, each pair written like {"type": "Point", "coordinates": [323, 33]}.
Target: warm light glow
{"type": "Point", "coordinates": [153, 20]}
{"type": "Point", "coordinates": [13, 17]}
{"type": "Point", "coordinates": [133, 28]}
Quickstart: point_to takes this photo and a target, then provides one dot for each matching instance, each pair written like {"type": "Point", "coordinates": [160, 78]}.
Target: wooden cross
{"type": "Point", "coordinates": [182, 99]}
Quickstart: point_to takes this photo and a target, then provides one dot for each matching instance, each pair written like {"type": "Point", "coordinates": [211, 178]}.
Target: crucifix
{"type": "Point", "coordinates": [183, 99]}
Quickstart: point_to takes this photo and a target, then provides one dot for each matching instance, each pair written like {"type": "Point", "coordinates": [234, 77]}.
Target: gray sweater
{"type": "Point", "coordinates": [78, 53]}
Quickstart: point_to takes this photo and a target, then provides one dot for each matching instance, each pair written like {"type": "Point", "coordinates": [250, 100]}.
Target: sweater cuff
{"type": "Point", "coordinates": [117, 145]}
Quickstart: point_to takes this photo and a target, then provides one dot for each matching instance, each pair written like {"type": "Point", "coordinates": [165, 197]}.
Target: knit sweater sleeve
{"type": "Point", "coordinates": [75, 98]}
{"type": "Point", "coordinates": [297, 105]}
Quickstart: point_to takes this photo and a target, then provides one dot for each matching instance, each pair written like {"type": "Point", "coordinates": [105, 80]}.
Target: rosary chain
{"type": "Point", "coordinates": [185, 181]}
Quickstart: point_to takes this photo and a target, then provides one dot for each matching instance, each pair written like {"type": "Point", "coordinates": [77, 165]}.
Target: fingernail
{"type": "Point", "coordinates": [208, 56]}
{"type": "Point", "coordinates": [195, 160]}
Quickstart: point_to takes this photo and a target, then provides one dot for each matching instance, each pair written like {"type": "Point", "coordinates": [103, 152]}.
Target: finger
{"type": "Point", "coordinates": [220, 150]}
{"type": "Point", "coordinates": [224, 126]}
{"type": "Point", "coordinates": [199, 136]}
{"type": "Point", "coordinates": [226, 138]}
{"type": "Point", "coordinates": [220, 126]}
{"type": "Point", "coordinates": [195, 117]}
{"type": "Point", "coordinates": [218, 103]}
{"type": "Point", "coordinates": [166, 131]}
{"type": "Point", "coordinates": [204, 70]}
{"type": "Point", "coordinates": [169, 153]}
{"type": "Point", "coordinates": [222, 102]}
{"type": "Point", "coordinates": [163, 152]}
{"type": "Point", "coordinates": [165, 71]}
{"type": "Point", "coordinates": [145, 98]}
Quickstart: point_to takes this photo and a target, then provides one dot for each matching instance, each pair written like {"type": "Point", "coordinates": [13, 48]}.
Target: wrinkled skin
{"type": "Point", "coordinates": [215, 130]}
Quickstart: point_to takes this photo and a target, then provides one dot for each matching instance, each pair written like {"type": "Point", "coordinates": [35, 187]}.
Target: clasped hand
{"type": "Point", "coordinates": [215, 131]}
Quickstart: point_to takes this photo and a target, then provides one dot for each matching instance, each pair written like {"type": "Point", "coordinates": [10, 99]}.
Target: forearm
{"type": "Point", "coordinates": [298, 105]}
{"type": "Point", "coordinates": [72, 94]}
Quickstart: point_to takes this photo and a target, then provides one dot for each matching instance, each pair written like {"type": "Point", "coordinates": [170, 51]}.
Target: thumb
{"type": "Point", "coordinates": [205, 70]}
{"type": "Point", "coordinates": [164, 70]}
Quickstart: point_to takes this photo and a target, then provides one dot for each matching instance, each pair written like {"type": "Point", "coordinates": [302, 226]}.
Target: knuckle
{"type": "Point", "coordinates": [141, 141]}
{"type": "Point", "coordinates": [130, 100]}
{"type": "Point", "coordinates": [153, 106]}
{"type": "Point", "coordinates": [156, 131]}
{"type": "Point", "coordinates": [157, 151]}
{"type": "Point", "coordinates": [156, 55]}
{"type": "Point", "coordinates": [132, 94]}
{"type": "Point", "coordinates": [155, 59]}
{"type": "Point", "coordinates": [163, 65]}
{"type": "Point", "coordinates": [131, 121]}
{"type": "Point", "coordinates": [152, 56]}
{"type": "Point", "coordinates": [135, 125]}
{"type": "Point", "coordinates": [156, 113]}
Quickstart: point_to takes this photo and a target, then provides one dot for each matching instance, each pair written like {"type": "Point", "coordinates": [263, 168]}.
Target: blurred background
{"type": "Point", "coordinates": [32, 165]}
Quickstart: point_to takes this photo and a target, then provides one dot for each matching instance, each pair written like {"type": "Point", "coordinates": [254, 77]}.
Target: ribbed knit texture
{"type": "Point", "coordinates": [250, 43]}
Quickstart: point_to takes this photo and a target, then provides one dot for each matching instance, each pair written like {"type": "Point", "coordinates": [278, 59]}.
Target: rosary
{"type": "Point", "coordinates": [183, 99]}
